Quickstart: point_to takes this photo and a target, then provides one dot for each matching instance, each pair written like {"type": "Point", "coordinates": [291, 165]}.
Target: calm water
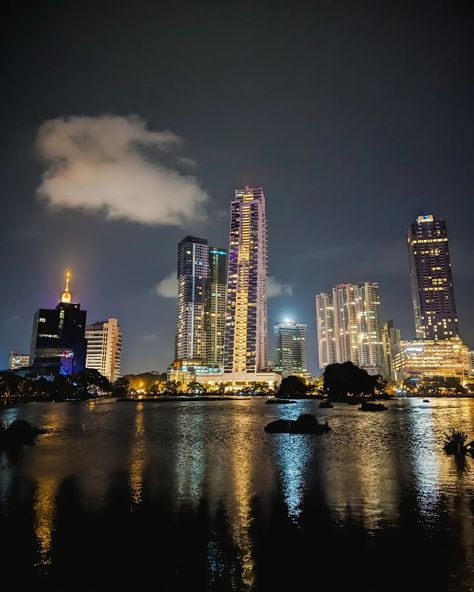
{"type": "Point", "coordinates": [195, 496]}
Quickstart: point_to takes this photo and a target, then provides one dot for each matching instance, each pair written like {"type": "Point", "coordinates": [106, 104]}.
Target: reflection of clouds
{"type": "Point", "coordinates": [137, 456]}
{"type": "Point", "coordinates": [44, 509]}
{"type": "Point", "coordinates": [293, 456]}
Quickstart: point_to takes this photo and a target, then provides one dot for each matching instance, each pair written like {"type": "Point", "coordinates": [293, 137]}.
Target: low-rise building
{"type": "Point", "coordinates": [18, 360]}
{"type": "Point", "coordinates": [236, 381]}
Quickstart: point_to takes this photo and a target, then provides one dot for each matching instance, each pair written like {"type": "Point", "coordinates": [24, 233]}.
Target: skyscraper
{"type": "Point", "coordinates": [58, 341]}
{"type": "Point", "coordinates": [193, 264]}
{"type": "Point", "coordinates": [246, 341]}
{"type": "Point", "coordinates": [215, 306]}
{"type": "Point", "coordinates": [349, 326]}
{"type": "Point", "coordinates": [290, 348]}
{"type": "Point", "coordinates": [104, 348]}
{"type": "Point", "coordinates": [391, 346]}
{"type": "Point", "coordinates": [325, 329]}
{"type": "Point", "coordinates": [431, 279]}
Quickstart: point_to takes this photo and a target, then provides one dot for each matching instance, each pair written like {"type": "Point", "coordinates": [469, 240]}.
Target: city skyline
{"type": "Point", "coordinates": [351, 134]}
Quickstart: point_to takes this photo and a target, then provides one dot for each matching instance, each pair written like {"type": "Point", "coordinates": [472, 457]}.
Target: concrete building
{"type": "Point", "coordinates": [434, 304]}
{"type": "Point", "coordinates": [419, 358]}
{"type": "Point", "coordinates": [290, 349]}
{"type": "Point", "coordinates": [236, 381]}
{"type": "Point", "coordinates": [104, 348]}
{"type": "Point", "coordinates": [246, 340]}
{"type": "Point", "coordinates": [325, 330]}
{"type": "Point", "coordinates": [18, 361]}
{"type": "Point", "coordinates": [391, 346]}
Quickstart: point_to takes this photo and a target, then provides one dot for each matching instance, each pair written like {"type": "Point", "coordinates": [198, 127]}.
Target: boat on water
{"type": "Point", "coordinates": [365, 406]}
{"type": "Point", "coordinates": [305, 424]}
{"type": "Point", "coordinates": [426, 400]}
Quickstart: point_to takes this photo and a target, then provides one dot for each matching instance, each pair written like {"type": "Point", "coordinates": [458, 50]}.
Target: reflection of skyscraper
{"type": "Point", "coordinates": [431, 279]}
{"type": "Point", "coordinates": [104, 347]}
{"type": "Point", "coordinates": [58, 340]}
{"type": "Point", "coordinates": [290, 348]}
{"type": "Point", "coordinates": [246, 318]}
{"type": "Point", "coordinates": [215, 306]}
{"type": "Point", "coordinates": [349, 326]}
{"type": "Point", "coordinates": [193, 261]}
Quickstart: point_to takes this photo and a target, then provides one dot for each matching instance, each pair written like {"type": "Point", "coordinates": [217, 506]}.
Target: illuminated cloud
{"type": "Point", "coordinates": [116, 167]}
{"type": "Point", "coordinates": [275, 288]}
{"type": "Point", "coordinates": [168, 286]}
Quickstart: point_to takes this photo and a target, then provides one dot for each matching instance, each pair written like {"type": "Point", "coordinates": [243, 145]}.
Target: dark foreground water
{"type": "Point", "coordinates": [195, 496]}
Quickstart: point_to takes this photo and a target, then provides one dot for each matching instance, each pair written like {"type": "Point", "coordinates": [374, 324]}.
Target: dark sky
{"type": "Point", "coordinates": [354, 116]}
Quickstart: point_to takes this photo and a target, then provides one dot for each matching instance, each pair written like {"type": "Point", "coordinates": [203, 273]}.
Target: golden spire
{"type": "Point", "coordinates": [66, 296]}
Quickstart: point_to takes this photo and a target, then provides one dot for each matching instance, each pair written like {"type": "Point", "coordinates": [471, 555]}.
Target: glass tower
{"type": "Point", "coordinates": [290, 348]}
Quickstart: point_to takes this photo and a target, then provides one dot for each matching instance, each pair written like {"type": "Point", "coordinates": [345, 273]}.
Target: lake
{"type": "Point", "coordinates": [195, 495]}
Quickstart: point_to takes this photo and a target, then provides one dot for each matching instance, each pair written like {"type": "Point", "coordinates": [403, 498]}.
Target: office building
{"type": "Point", "coordinates": [58, 341]}
{"type": "Point", "coordinates": [104, 348]}
{"type": "Point", "coordinates": [391, 346]}
{"type": "Point", "coordinates": [18, 361]}
{"type": "Point", "coordinates": [431, 279]}
{"type": "Point", "coordinates": [290, 348]}
{"type": "Point", "coordinates": [246, 340]}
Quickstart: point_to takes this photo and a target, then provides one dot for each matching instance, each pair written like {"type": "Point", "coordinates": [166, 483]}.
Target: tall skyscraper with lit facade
{"type": "Point", "coordinates": [104, 348]}
{"type": "Point", "coordinates": [290, 348]}
{"type": "Point", "coordinates": [349, 326]}
{"type": "Point", "coordinates": [215, 309]}
{"type": "Point", "coordinates": [246, 341]}
{"type": "Point", "coordinates": [58, 344]}
{"type": "Point", "coordinates": [193, 266]}
{"type": "Point", "coordinates": [431, 279]}
{"type": "Point", "coordinates": [325, 329]}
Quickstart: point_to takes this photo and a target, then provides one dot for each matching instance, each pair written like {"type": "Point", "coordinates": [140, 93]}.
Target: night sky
{"type": "Point", "coordinates": [354, 116]}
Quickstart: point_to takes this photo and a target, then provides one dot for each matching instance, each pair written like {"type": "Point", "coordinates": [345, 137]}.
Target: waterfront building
{"type": "Point", "coordinates": [421, 358]}
{"type": "Point", "coordinates": [193, 265]}
{"type": "Point", "coordinates": [325, 329]}
{"type": "Point", "coordinates": [431, 279]}
{"type": "Point", "coordinates": [215, 306]}
{"type": "Point", "coordinates": [290, 348]}
{"type": "Point", "coordinates": [349, 326]}
{"type": "Point", "coordinates": [391, 346]}
{"type": "Point", "coordinates": [58, 339]}
{"type": "Point", "coordinates": [186, 371]}
{"type": "Point", "coordinates": [104, 348]}
{"type": "Point", "coordinates": [471, 362]}
{"type": "Point", "coordinates": [236, 381]}
{"type": "Point", "coordinates": [18, 361]}
{"type": "Point", "coordinates": [246, 341]}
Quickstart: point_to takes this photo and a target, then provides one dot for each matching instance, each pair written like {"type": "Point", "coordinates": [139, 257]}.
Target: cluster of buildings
{"type": "Point", "coordinates": [62, 342]}
{"type": "Point", "coordinates": [349, 323]}
{"type": "Point", "coordinates": [221, 328]}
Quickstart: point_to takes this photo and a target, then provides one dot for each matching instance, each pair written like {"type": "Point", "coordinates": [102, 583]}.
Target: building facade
{"type": "Point", "coordinates": [104, 348]}
{"type": "Point", "coordinates": [349, 326]}
{"type": "Point", "coordinates": [215, 309]}
{"type": "Point", "coordinates": [391, 346]}
{"type": "Point", "coordinates": [246, 340]}
{"type": "Point", "coordinates": [420, 358]}
{"type": "Point", "coordinates": [193, 264]}
{"type": "Point", "coordinates": [431, 279]}
{"type": "Point", "coordinates": [290, 349]}
{"type": "Point", "coordinates": [325, 330]}
{"type": "Point", "coordinates": [58, 337]}
{"type": "Point", "coordinates": [18, 361]}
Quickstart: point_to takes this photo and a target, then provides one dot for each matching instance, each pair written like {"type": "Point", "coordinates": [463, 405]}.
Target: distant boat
{"type": "Point", "coordinates": [326, 405]}
{"type": "Point", "coordinates": [305, 424]}
{"type": "Point", "coordinates": [426, 400]}
{"type": "Point", "coordinates": [372, 407]}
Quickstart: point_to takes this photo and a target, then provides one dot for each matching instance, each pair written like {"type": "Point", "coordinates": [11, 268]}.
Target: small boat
{"type": "Point", "coordinates": [305, 424]}
{"type": "Point", "coordinates": [326, 405]}
{"type": "Point", "coordinates": [372, 407]}
{"type": "Point", "coordinates": [426, 400]}
{"type": "Point", "coordinates": [276, 401]}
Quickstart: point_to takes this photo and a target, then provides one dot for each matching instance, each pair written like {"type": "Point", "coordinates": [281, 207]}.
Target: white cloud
{"type": "Point", "coordinates": [115, 166]}
{"type": "Point", "coordinates": [275, 288]}
{"type": "Point", "coordinates": [168, 286]}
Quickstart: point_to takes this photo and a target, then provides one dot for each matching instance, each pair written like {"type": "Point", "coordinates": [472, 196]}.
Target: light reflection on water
{"type": "Point", "coordinates": [184, 453]}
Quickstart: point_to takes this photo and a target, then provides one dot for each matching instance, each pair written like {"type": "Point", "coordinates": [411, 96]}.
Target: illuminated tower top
{"type": "Point", "coordinates": [66, 296]}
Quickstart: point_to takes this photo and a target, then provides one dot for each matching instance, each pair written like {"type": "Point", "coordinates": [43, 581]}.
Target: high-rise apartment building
{"type": "Point", "coordinates": [58, 340]}
{"type": "Point", "coordinates": [290, 348]}
{"type": "Point", "coordinates": [104, 348]}
{"type": "Point", "coordinates": [215, 309]}
{"type": "Point", "coordinates": [391, 346]}
{"type": "Point", "coordinates": [349, 326]}
{"type": "Point", "coordinates": [431, 279]}
{"type": "Point", "coordinates": [325, 329]}
{"type": "Point", "coordinates": [246, 341]}
{"type": "Point", "coordinates": [193, 267]}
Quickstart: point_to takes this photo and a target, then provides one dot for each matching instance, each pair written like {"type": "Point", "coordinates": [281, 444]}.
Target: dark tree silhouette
{"type": "Point", "coordinates": [345, 379]}
{"type": "Point", "coordinates": [292, 386]}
